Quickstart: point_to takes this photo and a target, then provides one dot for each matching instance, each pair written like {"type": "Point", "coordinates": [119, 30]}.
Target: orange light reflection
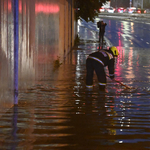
{"type": "Point", "coordinates": [39, 7]}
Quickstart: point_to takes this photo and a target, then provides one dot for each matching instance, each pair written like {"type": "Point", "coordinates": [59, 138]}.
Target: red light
{"type": "Point", "coordinates": [39, 7]}
{"type": "Point", "coordinates": [139, 11]}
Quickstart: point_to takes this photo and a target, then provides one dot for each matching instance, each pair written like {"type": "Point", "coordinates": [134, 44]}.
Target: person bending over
{"type": "Point", "coordinates": [96, 62]}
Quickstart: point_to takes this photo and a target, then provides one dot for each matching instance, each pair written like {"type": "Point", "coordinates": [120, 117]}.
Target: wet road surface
{"type": "Point", "coordinates": [58, 113]}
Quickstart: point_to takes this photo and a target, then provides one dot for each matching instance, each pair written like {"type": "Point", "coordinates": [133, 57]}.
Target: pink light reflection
{"type": "Point", "coordinates": [46, 8]}
{"type": "Point", "coordinates": [39, 8]}
{"type": "Point", "coordinates": [120, 60]}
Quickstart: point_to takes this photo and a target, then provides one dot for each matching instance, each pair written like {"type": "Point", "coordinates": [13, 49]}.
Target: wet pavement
{"type": "Point", "coordinates": [136, 17]}
{"type": "Point", "coordinates": [58, 113]}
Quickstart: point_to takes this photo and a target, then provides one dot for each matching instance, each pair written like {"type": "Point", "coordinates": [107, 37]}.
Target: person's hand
{"type": "Point", "coordinates": [112, 77]}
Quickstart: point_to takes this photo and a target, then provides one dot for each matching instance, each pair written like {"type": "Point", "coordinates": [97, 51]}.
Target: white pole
{"type": "Point", "coordinates": [141, 4]}
{"type": "Point", "coordinates": [130, 3]}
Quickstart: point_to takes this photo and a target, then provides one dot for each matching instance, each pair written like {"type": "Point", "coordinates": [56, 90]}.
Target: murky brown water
{"type": "Point", "coordinates": [58, 112]}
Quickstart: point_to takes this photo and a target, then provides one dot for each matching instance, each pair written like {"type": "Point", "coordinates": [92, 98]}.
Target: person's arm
{"type": "Point", "coordinates": [111, 68]}
{"type": "Point", "coordinates": [98, 24]}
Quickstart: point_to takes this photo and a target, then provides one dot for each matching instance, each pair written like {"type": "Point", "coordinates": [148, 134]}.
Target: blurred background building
{"type": "Point", "coordinates": [133, 3]}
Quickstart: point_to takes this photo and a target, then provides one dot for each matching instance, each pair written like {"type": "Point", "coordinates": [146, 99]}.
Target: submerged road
{"type": "Point", "coordinates": [128, 34]}
{"type": "Point", "coordinates": [57, 113]}
{"type": "Point", "coordinates": [131, 108]}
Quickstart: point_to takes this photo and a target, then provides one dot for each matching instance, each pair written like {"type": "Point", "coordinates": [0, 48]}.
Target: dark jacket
{"type": "Point", "coordinates": [101, 25]}
{"type": "Point", "coordinates": [106, 58]}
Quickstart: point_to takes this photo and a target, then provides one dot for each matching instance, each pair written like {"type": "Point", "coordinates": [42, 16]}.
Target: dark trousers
{"type": "Point", "coordinates": [91, 66]}
{"type": "Point", "coordinates": [101, 37]}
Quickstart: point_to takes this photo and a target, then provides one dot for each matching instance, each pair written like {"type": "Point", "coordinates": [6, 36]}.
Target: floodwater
{"type": "Point", "coordinates": [58, 113]}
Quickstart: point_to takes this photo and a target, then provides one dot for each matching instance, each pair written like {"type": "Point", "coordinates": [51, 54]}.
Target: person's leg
{"type": "Point", "coordinates": [102, 38]}
{"type": "Point", "coordinates": [101, 75]}
{"type": "Point", "coordinates": [89, 73]}
{"type": "Point", "coordinates": [99, 36]}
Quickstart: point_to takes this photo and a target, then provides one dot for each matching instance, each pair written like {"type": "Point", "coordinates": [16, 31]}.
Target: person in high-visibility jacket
{"type": "Point", "coordinates": [96, 62]}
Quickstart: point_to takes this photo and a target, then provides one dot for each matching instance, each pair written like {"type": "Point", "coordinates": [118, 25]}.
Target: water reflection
{"type": "Point", "coordinates": [14, 128]}
{"type": "Point", "coordinates": [92, 121]}
{"type": "Point", "coordinates": [67, 116]}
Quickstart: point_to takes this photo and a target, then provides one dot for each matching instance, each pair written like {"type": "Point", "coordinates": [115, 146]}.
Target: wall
{"type": "Point", "coordinates": [141, 4]}
{"type": "Point", "coordinates": [146, 4]}
{"type": "Point", "coordinates": [67, 26]}
{"type": "Point", "coordinates": [138, 3]}
{"type": "Point", "coordinates": [120, 3]}
{"type": "Point", "coordinates": [46, 33]}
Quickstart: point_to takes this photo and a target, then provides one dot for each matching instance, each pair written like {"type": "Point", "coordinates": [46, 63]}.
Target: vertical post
{"type": "Point", "coordinates": [71, 23]}
{"type": "Point", "coordinates": [16, 47]}
{"type": "Point", "coordinates": [142, 4]}
{"type": "Point", "coordinates": [64, 28]}
{"type": "Point", "coordinates": [130, 3]}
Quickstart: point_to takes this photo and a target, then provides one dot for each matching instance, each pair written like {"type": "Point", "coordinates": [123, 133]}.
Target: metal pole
{"type": "Point", "coordinates": [130, 3]}
{"type": "Point", "coordinates": [71, 23]}
{"type": "Point", "coordinates": [16, 47]}
{"type": "Point", "coordinates": [142, 4]}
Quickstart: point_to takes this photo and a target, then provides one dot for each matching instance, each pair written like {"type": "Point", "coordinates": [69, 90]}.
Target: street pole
{"type": "Point", "coordinates": [130, 3]}
{"type": "Point", "coordinates": [141, 4]}
{"type": "Point", "coordinates": [16, 47]}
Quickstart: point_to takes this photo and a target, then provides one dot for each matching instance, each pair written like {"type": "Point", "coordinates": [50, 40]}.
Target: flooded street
{"type": "Point", "coordinates": [57, 113]}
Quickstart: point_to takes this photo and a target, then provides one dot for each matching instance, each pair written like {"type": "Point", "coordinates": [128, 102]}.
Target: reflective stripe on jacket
{"type": "Point", "coordinates": [105, 57]}
{"type": "Point", "coordinates": [96, 59]}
